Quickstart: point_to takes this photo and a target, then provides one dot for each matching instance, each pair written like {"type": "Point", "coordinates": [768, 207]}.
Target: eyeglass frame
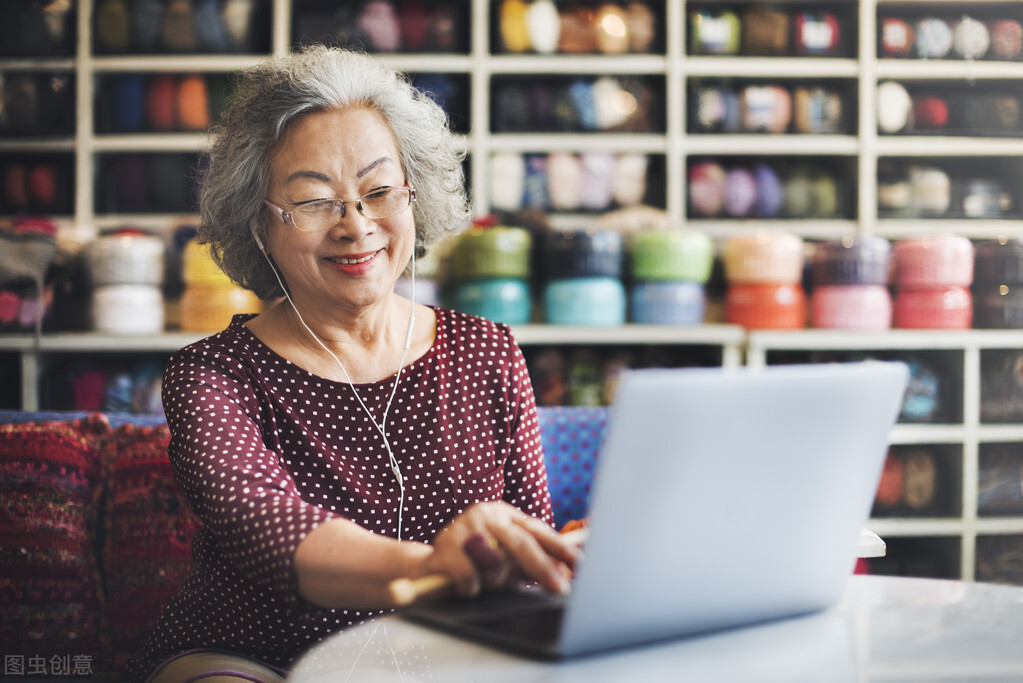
{"type": "Point", "coordinates": [288, 218]}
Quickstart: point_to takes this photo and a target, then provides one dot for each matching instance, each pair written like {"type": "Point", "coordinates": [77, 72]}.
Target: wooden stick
{"type": "Point", "coordinates": [405, 591]}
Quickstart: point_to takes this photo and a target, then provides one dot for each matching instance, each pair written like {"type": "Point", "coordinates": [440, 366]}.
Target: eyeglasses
{"type": "Point", "coordinates": [324, 214]}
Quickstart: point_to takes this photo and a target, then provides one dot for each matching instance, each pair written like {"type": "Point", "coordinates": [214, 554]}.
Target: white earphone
{"type": "Point", "coordinates": [382, 425]}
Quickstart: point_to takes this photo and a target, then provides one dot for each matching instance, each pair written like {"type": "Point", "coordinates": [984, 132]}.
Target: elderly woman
{"type": "Point", "coordinates": [345, 437]}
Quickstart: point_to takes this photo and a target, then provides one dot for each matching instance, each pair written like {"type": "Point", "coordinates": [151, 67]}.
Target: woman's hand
{"type": "Point", "coordinates": [494, 544]}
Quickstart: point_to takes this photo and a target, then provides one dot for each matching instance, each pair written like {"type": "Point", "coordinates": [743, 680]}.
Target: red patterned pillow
{"type": "Point", "coordinates": [147, 545]}
{"type": "Point", "coordinates": [49, 599]}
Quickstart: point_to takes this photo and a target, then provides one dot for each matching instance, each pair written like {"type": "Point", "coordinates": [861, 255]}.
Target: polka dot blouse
{"type": "Point", "coordinates": [266, 451]}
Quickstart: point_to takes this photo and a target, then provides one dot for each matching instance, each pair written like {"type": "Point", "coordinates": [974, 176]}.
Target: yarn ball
{"type": "Point", "coordinates": [797, 194]}
{"type": "Point", "coordinates": [564, 181]}
{"type": "Point", "coordinates": [919, 478]}
{"type": "Point", "coordinates": [146, 18]}
{"type": "Point", "coordinates": [193, 103]}
{"type": "Point", "coordinates": [923, 393]}
{"type": "Point", "coordinates": [113, 26]}
{"type": "Point", "coordinates": [129, 99]}
{"type": "Point", "coordinates": [514, 25]}
{"type": "Point", "coordinates": [897, 37]}
{"type": "Point", "coordinates": [889, 490]}
{"type": "Point", "coordinates": [507, 181]}
{"type": "Point", "coordinates": [770, 194]}
{"type": "Point", "coordinates": [380, 23]}
{"type": "Point", "coordinates": [534, 193]}
{"type": "Point", "coordinates": [597, 180]}
{"type": "Point", "coordinates": [894, 106]}
{"type": "Point", "coordinates": [543, 25]}
{"type": "Point", "coordinates": [930, 112]}
{"type": "Point", "coordinates": [933, 38]}
{"type": "Point", "coordinates": [641, 27]}
{"type": "Point", "coordinates": [1006, 39]}
{"type": "Point", "coordinates": [612, 30]}
{"type": "Point", "coordinates": [42, 185]}
{"type": "Point", "coordinates": [413, 19]}
{"type": "Point", "coordinates": [706, 189]}
{"type": "Point", "coordinates": [740, 192]}
{"type": "Point", "coordinates": [178, 29]}
{"type": "Point", "coordinates": [160, 103]}
{"type": "Point", "coordinates": [970, 38]}
{"type": "Point", "coordinates": [715, 32]}
{"type": "Point", "coordinates": [817, 32]}
{"type": "Point", "coordinates": [628, 185]}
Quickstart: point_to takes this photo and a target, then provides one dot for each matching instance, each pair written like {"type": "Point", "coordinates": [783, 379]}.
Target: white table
{"type": "Point", "coordinates": [885, 629]}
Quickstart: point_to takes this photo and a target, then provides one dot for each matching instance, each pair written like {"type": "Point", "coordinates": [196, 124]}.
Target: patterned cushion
{"type": "Point", "coordinates": [49, 477]}
{"type": "Point", "coordinates": [148, 532]}
{"type": "Point", "coordinates": [572, 438]}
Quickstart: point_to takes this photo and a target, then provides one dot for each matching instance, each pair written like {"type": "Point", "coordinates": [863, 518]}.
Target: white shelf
{"type": "Point", "coordinates": [962, 351]}
{"type": "Point", "coordinates": [483, 64]}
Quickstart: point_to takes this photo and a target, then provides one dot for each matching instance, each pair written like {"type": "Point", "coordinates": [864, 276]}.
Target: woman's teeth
{"type": "Point", "coordinates": [352, 261]}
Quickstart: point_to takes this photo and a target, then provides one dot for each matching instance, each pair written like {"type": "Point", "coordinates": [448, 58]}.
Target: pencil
{"type": "Point", "coordinates": [405, 591]}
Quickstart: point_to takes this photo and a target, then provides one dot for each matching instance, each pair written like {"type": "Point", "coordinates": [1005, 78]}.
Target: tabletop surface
{"type": "Point", "coordinates": [884, 629]}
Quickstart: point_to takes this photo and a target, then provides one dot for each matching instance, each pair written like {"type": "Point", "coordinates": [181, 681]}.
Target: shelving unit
{"type": "Point", "coordinates": [959, 433]}
{"type": "Point", "coordinates": [675, 67]}
{"type": "Point", "coordinates": [30, 356]}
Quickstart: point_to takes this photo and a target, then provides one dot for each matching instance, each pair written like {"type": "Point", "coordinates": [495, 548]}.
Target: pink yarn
{"type": "Point", "coordinates": [851, 307]}
{"type": "Point", "coordinates": [380, 22]}
{"type": "Point", "coordinates": [945, 308]}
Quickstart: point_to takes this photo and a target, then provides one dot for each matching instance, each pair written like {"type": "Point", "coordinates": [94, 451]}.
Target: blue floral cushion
{"type": "Point", "coordinates": [572, 438]}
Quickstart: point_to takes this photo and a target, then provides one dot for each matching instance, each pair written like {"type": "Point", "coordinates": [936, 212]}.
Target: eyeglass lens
{"type": "Point", "coordinates": [381, 203]}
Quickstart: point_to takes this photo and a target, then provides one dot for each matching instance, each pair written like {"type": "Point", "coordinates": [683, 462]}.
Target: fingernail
{"type": "Point", "coordinates": [482, 553]}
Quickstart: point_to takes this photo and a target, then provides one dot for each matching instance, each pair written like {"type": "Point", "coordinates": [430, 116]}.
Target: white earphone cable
{"type": "Point", "coordinates": [382, 425]}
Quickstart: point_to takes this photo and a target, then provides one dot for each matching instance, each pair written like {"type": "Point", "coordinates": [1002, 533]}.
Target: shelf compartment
{"type": "Point", "coordinates": [36, 104]}
{"type": "Point", "coordinates": [159, 104]}
{"type": "Point", "coordinates": [1001, 386]}
{"type": "Point", "coordinates": [436, 27]}
{"type": "Point", "coordinates": [27, 33]}
{"type": "Point", "coordinates": [125, 28]}
{"type": "Point", "coordinates": [146, 183]}
{"type": "Point", "coordinates": [935, 392]}
{"type": "Point", "coordinates": [1000, 480]}
{"type": "Point", "coordinates": [941, 110]}
{"type": "Point", "coordinates": [944, 188]}
{"type": "Point", "coordinates": [581, 29]}
{"type": "Point", "coordinates": [938, 557]}
{"type": "Point", "coordinates": [584, 374]}
{"type": "Point", "coordinates": [41, 183]}
{"type": "Point", "coordinates": [798, 29]}
{"type": "Point", "coordinates": [608, 103]}
{"type": "Point", "coordinates": [772, 107]}
{"type": "Point", "coordinates": [104, 381]}
{"type": "Point", "coordinates": [748, 187]}
{"type": "Point", "coordinates": [601, 181]}
{"type": "Point", "coordinates": [1000, 559]}
{"type": "Point", "coordinates": [920, 481]}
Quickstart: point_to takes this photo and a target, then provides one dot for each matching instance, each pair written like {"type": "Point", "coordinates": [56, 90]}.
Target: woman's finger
{"type": "Point", "coordinates": [553, 543]}
{"type": "Point", "coordinates": [531, 558]}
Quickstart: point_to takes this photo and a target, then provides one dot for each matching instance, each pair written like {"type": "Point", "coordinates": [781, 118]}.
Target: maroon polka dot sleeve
{"type": "Point", "coordinates": [266, 451]}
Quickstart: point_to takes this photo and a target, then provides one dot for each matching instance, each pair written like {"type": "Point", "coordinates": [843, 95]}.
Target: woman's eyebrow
{"type": "Point", "coordinates": [307, 174]}
{"type": "Point", "coordinates": [315, 175]}
{"type": "Point", "coordinates": [373, 165]}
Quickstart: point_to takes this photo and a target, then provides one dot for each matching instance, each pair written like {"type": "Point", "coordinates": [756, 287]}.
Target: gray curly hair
{"type": "Point", "coordinates": [273, 94]}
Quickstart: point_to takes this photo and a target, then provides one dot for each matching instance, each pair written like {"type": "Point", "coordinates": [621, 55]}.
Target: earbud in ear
{"type": "Point", "coordinates": [255, 236]}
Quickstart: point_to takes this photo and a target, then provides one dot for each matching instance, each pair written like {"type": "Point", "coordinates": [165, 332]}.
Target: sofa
{"type": "Point", "coordinates": [95, 534]}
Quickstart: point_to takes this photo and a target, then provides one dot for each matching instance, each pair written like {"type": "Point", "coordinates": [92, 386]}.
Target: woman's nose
{"type": "Point", "coordinates": [352, 225]}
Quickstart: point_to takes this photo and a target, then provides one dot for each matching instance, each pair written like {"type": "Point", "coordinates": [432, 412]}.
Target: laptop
{"type": "Point", "coordinates": [723, 497]}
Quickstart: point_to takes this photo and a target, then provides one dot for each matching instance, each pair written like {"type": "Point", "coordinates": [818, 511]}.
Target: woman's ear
{"type": "Point", "coordinates": [255, 235]}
